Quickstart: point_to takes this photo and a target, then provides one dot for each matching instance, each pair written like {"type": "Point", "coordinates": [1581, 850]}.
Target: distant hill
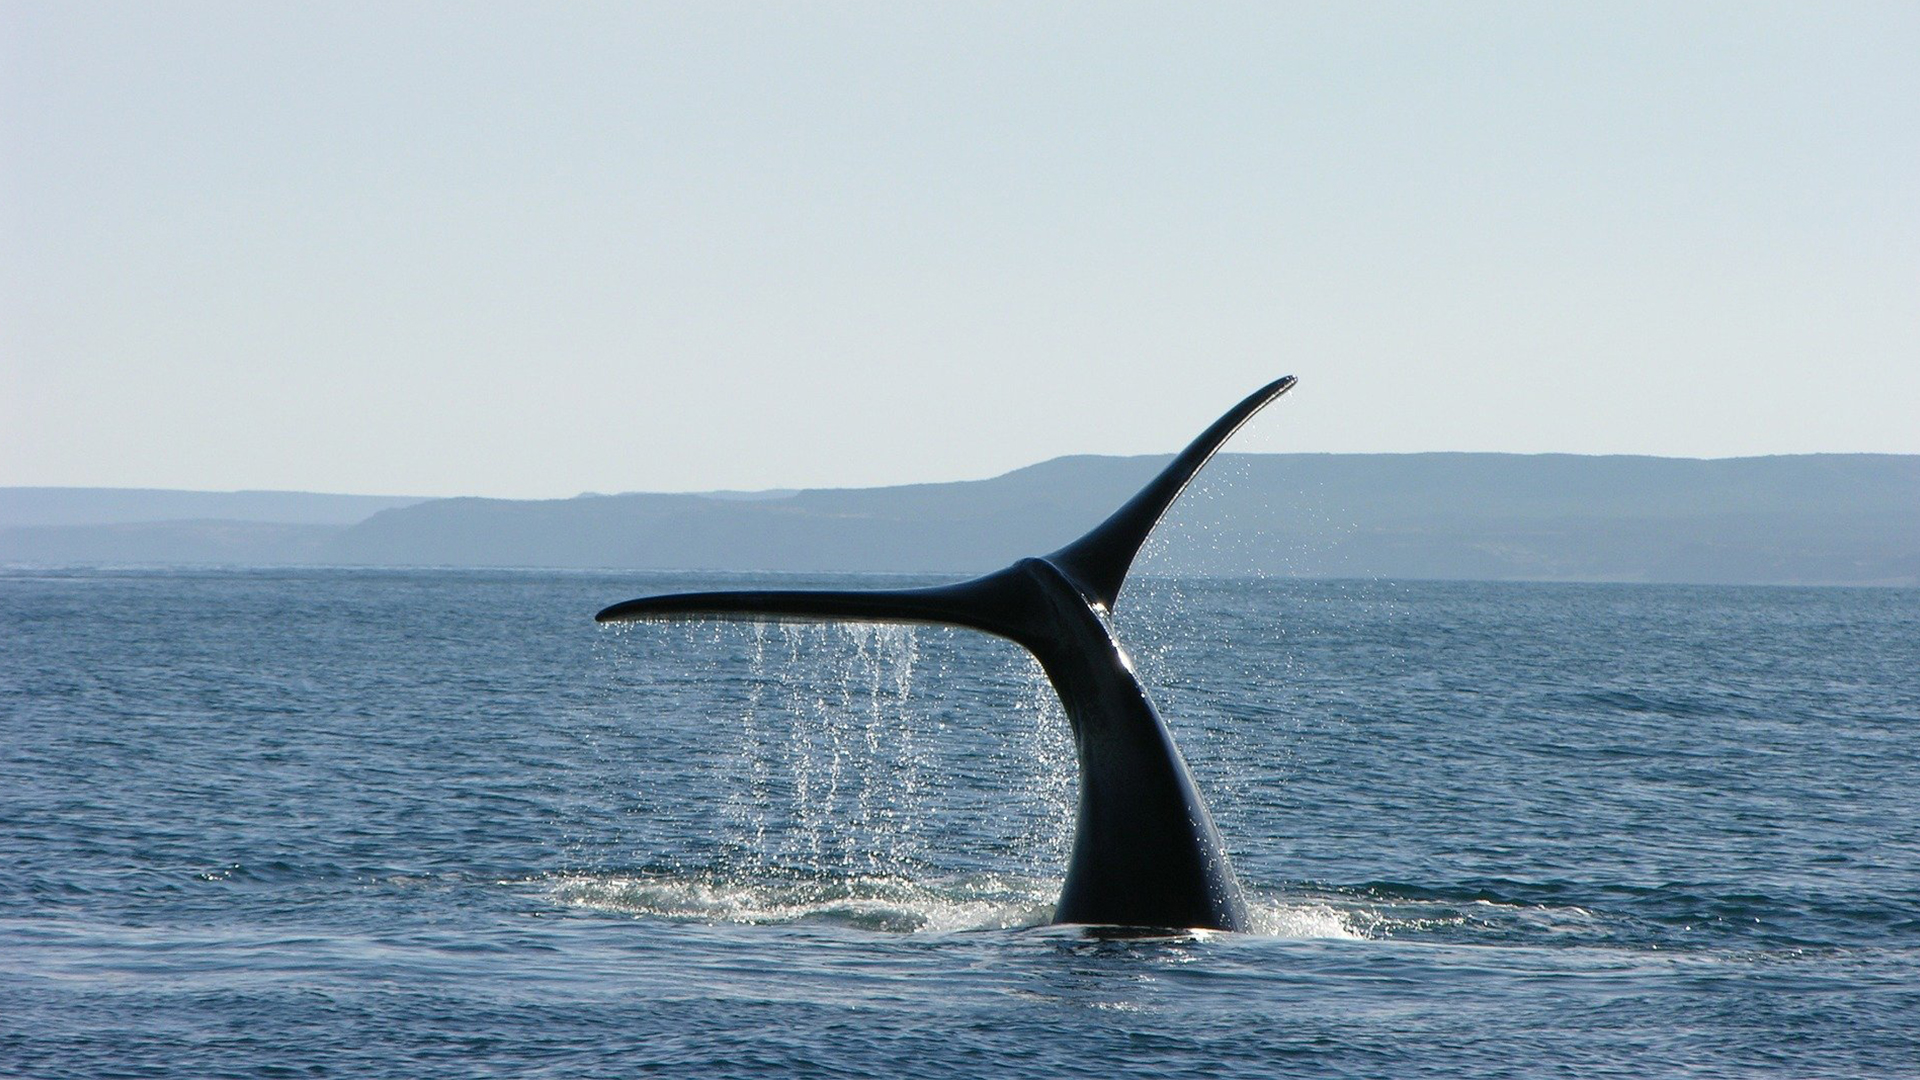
{"type": "Point", "coordinates": [1822, 518]}
{"type": "Point", "coordinates": [32, 507]}
{"type": "Point", "coordinates": [54, 525]}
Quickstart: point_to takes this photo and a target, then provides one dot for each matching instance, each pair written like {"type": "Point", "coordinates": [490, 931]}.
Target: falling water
{"type": "Point", "coordinates": [837, 790]}
{"type": "Point", "coordinates": [861, 764]}
{"type": "Point", "coordinates": [868, 775]}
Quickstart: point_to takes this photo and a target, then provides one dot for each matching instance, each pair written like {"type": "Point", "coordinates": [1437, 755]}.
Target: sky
{"type": "Point", "coordinates": [531, 250]}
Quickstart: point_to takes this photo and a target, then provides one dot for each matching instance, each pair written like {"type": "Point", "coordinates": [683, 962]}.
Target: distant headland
{"type": "Point", "coordinates": [1847, 519]}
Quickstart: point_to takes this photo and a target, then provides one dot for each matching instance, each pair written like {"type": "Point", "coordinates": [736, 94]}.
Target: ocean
{"type": "Point", "coordinates": [424, 823]}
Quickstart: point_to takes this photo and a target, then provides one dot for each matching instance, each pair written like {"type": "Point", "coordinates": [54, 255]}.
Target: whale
{"type": "Point", "coordinates": [1146, 854]}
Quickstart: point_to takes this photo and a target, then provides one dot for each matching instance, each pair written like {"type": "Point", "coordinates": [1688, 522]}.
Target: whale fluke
{"type": "Point", "coordinates": [1145, 850]}
{"type": "Point", "coordinates": [1100, 559]}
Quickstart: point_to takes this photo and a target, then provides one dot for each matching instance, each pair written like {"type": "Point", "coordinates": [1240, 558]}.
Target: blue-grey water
{"type": "Point", "coordinates": [438, 823]}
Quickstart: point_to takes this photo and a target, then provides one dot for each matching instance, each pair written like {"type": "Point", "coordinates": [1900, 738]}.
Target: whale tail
{"type": "Point", "coordinates": [1097, 563]}
{"type": "Point", "coordinates": [1145, 850]}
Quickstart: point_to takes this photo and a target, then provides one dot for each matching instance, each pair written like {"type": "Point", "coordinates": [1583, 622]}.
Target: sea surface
{"type": "Point", "coordinates": [410, 823]}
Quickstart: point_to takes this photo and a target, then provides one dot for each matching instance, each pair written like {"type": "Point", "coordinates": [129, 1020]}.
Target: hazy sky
{"type": "Point", "coordinates": [537, 249]}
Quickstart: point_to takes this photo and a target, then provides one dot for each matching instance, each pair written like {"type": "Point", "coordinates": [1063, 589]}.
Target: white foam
{"type": "Point", "coordinates": [878, 904]}
{"type": "Point", "coordinates": [1303, 921]}
{"type": "Point", "coordinates": [884, 904]}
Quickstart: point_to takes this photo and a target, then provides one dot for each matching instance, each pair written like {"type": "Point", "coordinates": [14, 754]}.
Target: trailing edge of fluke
{"type": "Point", "coordinates": [1145, 850]}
